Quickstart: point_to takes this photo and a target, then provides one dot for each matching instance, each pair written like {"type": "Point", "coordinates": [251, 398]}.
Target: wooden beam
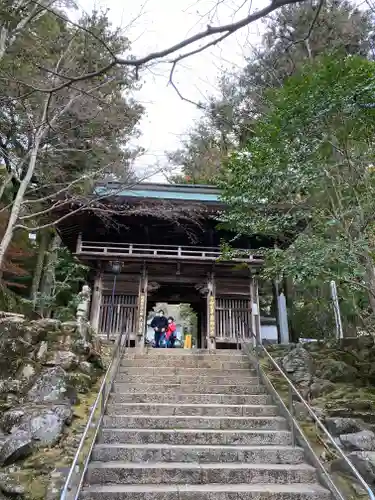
{"type": "Point", "coordinates": [211, 326]}
{"type": "Point", "coordinates": [142, 308]}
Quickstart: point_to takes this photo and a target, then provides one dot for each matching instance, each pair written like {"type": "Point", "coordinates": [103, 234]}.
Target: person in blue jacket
{"type": "Point", "coordinates": [160, 325]}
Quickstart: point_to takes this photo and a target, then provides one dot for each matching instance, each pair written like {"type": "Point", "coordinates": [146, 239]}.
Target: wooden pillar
{"type": "Point", "coordinates": [255, 311]}
{"type": "Point", "coordinates": [79, 243]}
{"type": "Point", "coordinates": [96, 301]}
{"type": "Point", "coordinates": [211, 308]}
{"type": "Point", "coordinates": [142, 308]}
{"type": "Point", "coordinates": [199, 329]}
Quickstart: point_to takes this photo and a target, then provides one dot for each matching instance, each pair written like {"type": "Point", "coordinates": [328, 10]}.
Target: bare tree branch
{"type": "Point", "coordinates": [226, 29]}
{"type": "Point", "coordinates": [96, 204]}
{"type": "Point", "coordinates": [306, 38]}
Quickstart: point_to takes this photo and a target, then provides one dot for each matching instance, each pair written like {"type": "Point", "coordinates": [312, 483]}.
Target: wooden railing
{"type": "Point", "coordinates": [174, 252]}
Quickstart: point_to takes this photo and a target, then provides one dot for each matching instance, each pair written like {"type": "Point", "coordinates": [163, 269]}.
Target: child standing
{"type": "Point", "coordinates": [170, 333]}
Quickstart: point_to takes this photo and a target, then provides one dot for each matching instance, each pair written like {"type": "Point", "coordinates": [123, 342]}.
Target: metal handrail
{"type": "Point", "coordinates": [294, 424]}
{"type": "Point", "coordinates": [101, 401]}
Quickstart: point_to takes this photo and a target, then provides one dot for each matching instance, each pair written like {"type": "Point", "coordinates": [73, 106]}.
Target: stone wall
{"type": "Point", "coordinates": [339, 383]}
{"type": "Point", "coordinates": [46, 367]}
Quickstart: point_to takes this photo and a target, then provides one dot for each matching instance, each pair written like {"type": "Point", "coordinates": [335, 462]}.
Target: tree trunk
{"type": "Point", "coordinates": [38, 271]}
{"type": "Point", "coordinates": [49, 274]}
{"type": "Point", "coordinates": [16, 208]}
{"type": "Point", "coordinates": [24, 184]}
{"type": "Point", "coordinates": [370, 282]}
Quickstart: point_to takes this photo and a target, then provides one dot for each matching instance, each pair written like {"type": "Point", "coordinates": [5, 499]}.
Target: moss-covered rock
{"type": "Point", "coordinates": [80, 381]}
{"type": "Point", "coordinates": [339, 371]}
{"type": "Point", "coordinates": [44, 364]}
{"type": "Point", "coordinates": [343, 394]}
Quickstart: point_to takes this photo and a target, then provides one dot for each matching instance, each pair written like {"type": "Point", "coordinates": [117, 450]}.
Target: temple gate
{"type": "Point", "coordinates": [151, 257]}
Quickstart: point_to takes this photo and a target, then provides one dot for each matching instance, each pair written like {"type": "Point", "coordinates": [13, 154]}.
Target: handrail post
{"type": "Point", "coordinates": [336, 310]}
{"type": "Point", "coordinates": [291, 411]}
{"type": "Point", "coordinates": [103, 399]}
{"type": "Point", "coordinates": [257, 357]}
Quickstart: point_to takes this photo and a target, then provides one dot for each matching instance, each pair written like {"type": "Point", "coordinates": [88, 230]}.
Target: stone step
{"type": "Point", "coordinates": [197, 473]}
{"type": "Point", "coordinates": [176, 398]}
{"type": "Point", "coordinates": [153, 371]}
{"type": "Point", "coordinates": [190, 409]}
{"type": "Point", "coordinates": [161, 362]}
{"type": "Point", "coordinates": [195, 436]}
{"type": "Point", "coordinates": [182, 378]}
{"type": "Point", "coordinates": [298, 491]}
{"type": "Point", "coordinates": [122, 387]}
{"type": "Point", "coordinates": [198, 453]}
{"type": "Point", "coordinates": [191, 353]}
{"type": "Point", "coordinates": [193, 422]}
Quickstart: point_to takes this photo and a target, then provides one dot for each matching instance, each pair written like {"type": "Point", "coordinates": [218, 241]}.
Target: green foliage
{"type": "Point", "coordinates": [85, 136]}
{"type": "Point", "coordinates": [190, 318]}
{"type": "Point", "coordinates": [230, 117]}
{"type": "Point", "coordinates": [307, 177]}
{"type": "Point", "coordinates": [200, 155]}
{"type": "Point", "coordinates": [70, 275]}
{"type": "Point", "coordinates": [91, 124]}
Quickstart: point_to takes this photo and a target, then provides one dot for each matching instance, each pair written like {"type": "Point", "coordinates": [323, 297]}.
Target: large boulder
{"type": "Point", "coordinates": [66, 359]}
{"type": "Point", "coordinates": [46, 428]}
{"type": "Point", "coordinates": [42, 328]}
{"type": "Point", "coordinates": [52, 387]}
{"type": "Point", "coordinates": [80, 381]}
{"type": "Point", "coordinates": [340, 425]}
{"type": "Point", "coordinates": [15, 344]}
{"type": "Point", "coordinates": [86, 368]}
{"type": "Point", "coordinates": [339, 371]}
{"type": "Point", "coordinates": [363, 461]}
{"type": "Point", "coordinates": [64, 411]}
{"type": "Point", "coordinates": [320, 387]}
{"type": "Point", "coordinates": [13, 386]}
{"type": "Point", "coordinates": [11, 419]}
{"type": "Point", "coordinates": [17, 446]}
{"type": "Point", "coordinates": [10, 487]}
{"type": "Point", "coordinates": [299, 366]}
{"type": "Point", "coordinates": [362, 441]}
{"type": "Point", "coordinates": [20, 417]}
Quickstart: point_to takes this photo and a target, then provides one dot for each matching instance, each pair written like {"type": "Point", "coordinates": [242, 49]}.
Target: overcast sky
{"type": "Point", "coordinates": [157, 24]}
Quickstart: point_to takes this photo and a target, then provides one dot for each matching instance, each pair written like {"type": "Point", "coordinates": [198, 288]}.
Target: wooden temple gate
{"type": "Point", "coordinates": [229, 314]}
{"type": "Point", "coordinates": [181, 252]}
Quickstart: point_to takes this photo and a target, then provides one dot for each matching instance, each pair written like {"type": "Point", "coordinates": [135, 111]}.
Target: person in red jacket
{"type": "Point", "coordinates": [170, 333]}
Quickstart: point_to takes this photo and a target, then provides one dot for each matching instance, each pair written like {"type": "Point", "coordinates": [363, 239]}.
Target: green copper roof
{"type": "Point", "coordinates": [184, 192]}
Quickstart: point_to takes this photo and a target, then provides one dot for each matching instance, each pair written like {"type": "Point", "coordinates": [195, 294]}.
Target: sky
{"type": "Point", "coordinates": [157, 24]}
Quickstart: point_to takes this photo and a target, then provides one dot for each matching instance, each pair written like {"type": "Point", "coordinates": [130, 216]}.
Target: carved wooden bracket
{"type": "Point", "coordinates": [152, 286]}
{"type": "Point", "coordinates": [202, 288]}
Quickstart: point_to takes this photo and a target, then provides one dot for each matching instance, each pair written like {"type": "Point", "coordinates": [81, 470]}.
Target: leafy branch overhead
{"type": "Point", "coordinates": [311, 156]}
{"type": "Point", "coordinates": [292, 35]}
{"type": "Point", "coordinates": [287, 139]}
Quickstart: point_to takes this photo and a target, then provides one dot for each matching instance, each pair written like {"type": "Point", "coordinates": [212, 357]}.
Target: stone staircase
{"type": "Point", "coordinates": [190, 425]}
